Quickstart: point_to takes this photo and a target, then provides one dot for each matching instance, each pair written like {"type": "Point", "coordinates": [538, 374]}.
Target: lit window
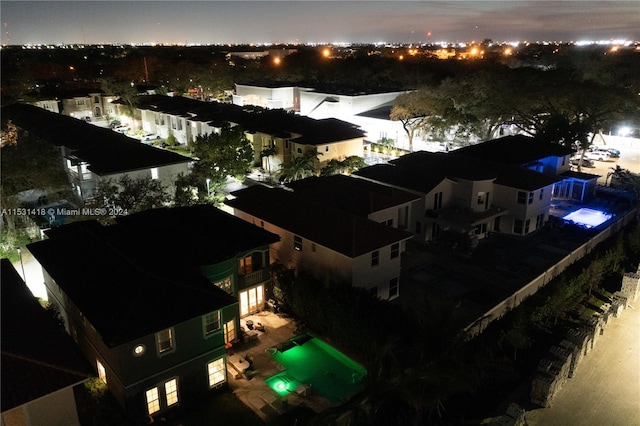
{"type": "Point", "coordinates": [171, 391]}
{"type": "Point", "coordinates": [297, 243]}
{"type": "Point", "coordinates": [139, 350]}
{"type": "Point", "coordinates": [153, 402]}
{"type": "Point", "coordinates": [230, 331]}
{"type": "Point", "coordinates": [225, 285]}
{"type": "Point", "coordinates": [154, 173]}
{"type": "Point", "coordinates": [395, 250]}
{"type": "Point", "coordinates": [216, 372]}
{"type": "Point", "coordinates": [102, 372]}
{"type": "Point", "coordinates": [211, 322]}
{"type": "Point", "coordinates": [165, 340]}
{"type": "Point", "coordinates": [375, 258]}
{"type": "Point", "coordinates": [393, 288]}
{"type": "Point", "coordinates": [245, 265]}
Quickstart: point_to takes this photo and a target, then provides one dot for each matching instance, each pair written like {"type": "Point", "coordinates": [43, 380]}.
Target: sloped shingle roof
{"type": "Point", "coordinates": [143, 274]}
{"type": "Point", "coordinates": [350, 235]}
{"type": "Point", "coordinates": [106, 151]}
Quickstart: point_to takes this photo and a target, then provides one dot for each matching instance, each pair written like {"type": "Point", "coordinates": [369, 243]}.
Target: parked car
{"type": "Point", "coordinates": [614, 153]}
{"type": "Point", "coordinates": [121, 129]}
{"type": "Point", "coordinates": [598, 155]}
{"type": "Point", "coordinates": [114, 124]}
{"type": "Point", "coordinates": [148, 137]}
{"type": "Point", "coordinates": [575, 161]}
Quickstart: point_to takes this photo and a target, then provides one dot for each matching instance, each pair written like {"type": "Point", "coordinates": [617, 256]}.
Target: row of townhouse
{"type": "Point", "coordinates": [290, 135]}
{"type": "Point", "coordinates": [504, 185]}
{"type": "Point", "coordinates": [154, 301]}
{"type": "Point", "coordinates": [91, 155]}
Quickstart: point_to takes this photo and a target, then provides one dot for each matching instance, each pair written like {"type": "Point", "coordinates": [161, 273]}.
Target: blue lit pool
{"type": "Point", "coordinates": [589, 218]}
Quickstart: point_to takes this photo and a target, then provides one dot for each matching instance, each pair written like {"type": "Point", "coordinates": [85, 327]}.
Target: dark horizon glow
{"type": "Point", "coordinates": [247, 22]}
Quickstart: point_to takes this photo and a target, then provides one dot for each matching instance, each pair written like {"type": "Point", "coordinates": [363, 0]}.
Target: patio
{"type": "Point", "coordinates": [248, 381]}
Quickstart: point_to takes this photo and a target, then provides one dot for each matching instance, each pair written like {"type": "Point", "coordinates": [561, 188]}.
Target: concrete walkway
{"type": "Point", "coordinates": [606, 387]}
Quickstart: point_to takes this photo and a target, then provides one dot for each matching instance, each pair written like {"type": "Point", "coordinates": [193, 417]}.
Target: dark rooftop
{"type": "Point", "coordinates": [515, 149]}
{"type": "Point", "coordinates": [106, 151]}
{"type": "Point", "coordinates": [146, 268]}
{"type": "Point", "coordinates": [38, 357]}
{"type": "Point", "coordinates": [422, 171]}
{"type": "Point", "coordinates": [352, 195]}
{"type": "Point", "coordinates": [347, 234]}
{"type": "Point", "coordinates": [301, 129]}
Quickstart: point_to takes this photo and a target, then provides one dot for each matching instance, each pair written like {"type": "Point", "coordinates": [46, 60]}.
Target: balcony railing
{"type": "Point", "coordinates": [254, 277]}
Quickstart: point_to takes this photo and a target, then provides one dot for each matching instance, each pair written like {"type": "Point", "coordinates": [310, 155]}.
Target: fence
{"type": "Point", "coordinates": [529, 289]}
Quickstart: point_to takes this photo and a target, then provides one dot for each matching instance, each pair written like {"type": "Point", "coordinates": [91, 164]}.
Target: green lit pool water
{"type": "Point", "coordinates": [310, 361]}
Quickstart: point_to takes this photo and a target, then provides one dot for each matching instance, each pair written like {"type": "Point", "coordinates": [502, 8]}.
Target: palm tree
{"type": "Point", "coordinates": [267, 153]}
{"type": "Point", "coordinates": [301, 167]}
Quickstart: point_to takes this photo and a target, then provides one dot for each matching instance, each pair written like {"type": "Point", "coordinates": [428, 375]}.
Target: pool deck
{"type": "Point", "coordinates": [251, 389]}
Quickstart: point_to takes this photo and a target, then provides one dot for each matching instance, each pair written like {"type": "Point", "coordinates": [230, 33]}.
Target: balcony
{"type": "Point", "coordinates": [255, 277]}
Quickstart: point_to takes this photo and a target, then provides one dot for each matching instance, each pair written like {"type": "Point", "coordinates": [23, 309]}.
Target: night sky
{"type": "Point", "coordinates": [235, 22]}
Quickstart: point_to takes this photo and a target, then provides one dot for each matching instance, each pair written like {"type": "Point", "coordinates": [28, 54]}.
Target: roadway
{"type": "Point", "coordinates": [606, 387]}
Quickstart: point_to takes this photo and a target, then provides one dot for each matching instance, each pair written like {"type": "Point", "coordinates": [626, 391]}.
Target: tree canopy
{"type": "Point", "coordinates": [223, 154]}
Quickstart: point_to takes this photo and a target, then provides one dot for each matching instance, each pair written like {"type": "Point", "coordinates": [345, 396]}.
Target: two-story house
{"type": "Point", "coordinates": [147, 301]}
{"type": "Point", "coordinates": [329, 243]}
{"type": "Point", "coordinates": [41, 366]}
{"type": "Point", "coordinates": [469, 196]}
{"type": "Point", "coordinates": [92, 154]}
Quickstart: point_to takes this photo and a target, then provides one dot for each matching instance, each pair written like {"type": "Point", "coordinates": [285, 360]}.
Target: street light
{"type": "Point", "coordinates": [208, 182]}
{"type": "Point", "coordinates": [24, 277]}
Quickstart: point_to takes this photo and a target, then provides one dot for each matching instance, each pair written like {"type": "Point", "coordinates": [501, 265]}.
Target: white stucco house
{"type": "Point", "coordinates": [505, 185]}
{"type": "Point", "coordinates": [331, 244]}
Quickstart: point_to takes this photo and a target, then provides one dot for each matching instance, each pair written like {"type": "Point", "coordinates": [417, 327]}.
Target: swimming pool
{"type": "Point", "coordinates": [588, 218]}
{"type": "Point", "coordinates": [310, 361]}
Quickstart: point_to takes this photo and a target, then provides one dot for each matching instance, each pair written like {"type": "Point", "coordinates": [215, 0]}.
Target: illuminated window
{"type": "Point", "coordinates": [102, 373]}
{"type": "Point", "coordinates": [230, 331]}
{"type": "Point", "coordinates": [153, 401]}
{"type": "Point", "coordinates": [395, 250]}
{"type": "Point", "coordinates": [164, 339]}
{"type": "Point", "coordinates": [154, 173]}
{"type": "Point", "coordinates": [211, 322]}
{"type": "Point", "coordinates": [245, 266]}
{"type": "Point", "coordinates": [393, 287]}
{"type": "Point", "coordinates": [171, 391]}
{"type": "Point", "coordinates": [225, 285]}
{"type": "Point", "coordinates": [216, 372]}
{"type": "Point", "coordinates": [297, 243]}
{"type": "Point", "coordinates": [375, 258]}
